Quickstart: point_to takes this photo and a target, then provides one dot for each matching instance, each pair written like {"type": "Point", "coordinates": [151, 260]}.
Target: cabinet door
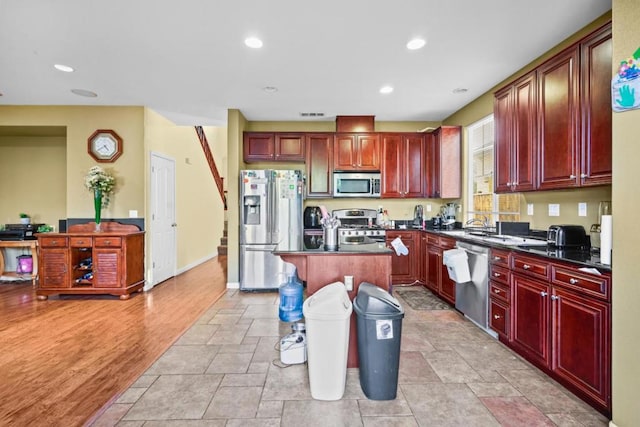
{"type": "Point", "coordinates": [434, 164]}
{"type": "Point", "coordinates": [446, 287]}
{"type": "Point", "coordinates": [558, 121]}
{"type": "Point", "coordinates": [391, 168]}
{"type": "Point", "coordinates": [422, 264]}
{"type": "Point", "coordinates": [531, 317]}
{"type": "Point", "coordinates": [258, 146]}
{"type": "Point", "coordinates": [414, 165]}
{"type": "Point", "coordinates": [499, 317]}
{"type": "Point", "coordinates": [289, 147]}
{"type": "Point", "coordinates": [524, 145]}
{"type": "Point", "coordinates": [581, 349]}
{"type": "Point", "coordinates": [445, 173]}
{"type": "Point", "coordinates": [107, 268]}
{"type": "Point", "coordinates": [344, 152]}
{"type": "Point", "coordinates": [434, 260]}
{"type": "Point", "coordinates": [368, 152]}
{"type": "Point", "coordinates": [319, 162]}
{"type": "Point", "coordinates": [403, 267]}
{"type": "Point", "coordinates": [54, 271]}
{"type": "Point", "coordinates": [503, 128]}
{"type": "Point", "coordinates": [596, 60]}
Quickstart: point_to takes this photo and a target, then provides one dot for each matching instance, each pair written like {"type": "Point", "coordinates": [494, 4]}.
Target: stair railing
{"type": "Point", "coordinates": [212, 164]}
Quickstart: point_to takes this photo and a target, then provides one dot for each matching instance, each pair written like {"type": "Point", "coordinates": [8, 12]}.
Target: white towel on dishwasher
{"type": "Point", "coordinates": [399, 247]}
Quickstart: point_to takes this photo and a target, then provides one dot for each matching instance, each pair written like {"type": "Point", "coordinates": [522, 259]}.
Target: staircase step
{"type": "Point", "coordinates": [223, 241]}
{"type": "Point", "coordinates": [222, 250]}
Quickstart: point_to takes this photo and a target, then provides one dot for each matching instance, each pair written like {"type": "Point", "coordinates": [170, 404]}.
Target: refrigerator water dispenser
{"type": "Point", "coordinates": [251, 210]}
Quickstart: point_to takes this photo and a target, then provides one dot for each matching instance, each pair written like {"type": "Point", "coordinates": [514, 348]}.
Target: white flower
{"type": "Point", "coordinates": [98, 179]}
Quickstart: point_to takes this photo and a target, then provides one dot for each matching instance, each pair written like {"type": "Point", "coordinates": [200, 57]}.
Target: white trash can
{"type": "Point", "coordinates": [327, 316]}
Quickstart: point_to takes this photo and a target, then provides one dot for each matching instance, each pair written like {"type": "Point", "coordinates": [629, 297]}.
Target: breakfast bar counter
{"type": "Point", "coordinates": [319, 268]}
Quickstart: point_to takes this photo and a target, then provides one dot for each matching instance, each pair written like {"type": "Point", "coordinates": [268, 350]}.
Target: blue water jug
{"type": "Point", "coordinates": [291, 300]}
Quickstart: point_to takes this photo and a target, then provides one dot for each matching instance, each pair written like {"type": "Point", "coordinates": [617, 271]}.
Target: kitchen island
{"type": "Point", "coordinates": [319, 268]}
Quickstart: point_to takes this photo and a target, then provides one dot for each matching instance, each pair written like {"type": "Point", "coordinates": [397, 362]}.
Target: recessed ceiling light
{"type": "Point", "coordinates": [64, 68]}
{"type": "Point", "coordinates": [83, 92]}
{"type": "Point", "coordinates": [270, 89]}
{"type": "Point", "coordinates": [253, 42]}
{"type": "Point", "coordinates": [386, 89]}
{"type": "Point", "coordinates": [460, 90]}
{"type": "Point", "coordinates": [416, 43]}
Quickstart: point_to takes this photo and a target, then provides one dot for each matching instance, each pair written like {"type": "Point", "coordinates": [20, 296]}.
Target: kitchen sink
{"type": "Point", "coordinates": [489, 237]}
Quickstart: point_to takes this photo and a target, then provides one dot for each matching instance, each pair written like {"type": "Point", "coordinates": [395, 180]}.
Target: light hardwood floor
{"type": "Point", "coordinates": [64, 359]}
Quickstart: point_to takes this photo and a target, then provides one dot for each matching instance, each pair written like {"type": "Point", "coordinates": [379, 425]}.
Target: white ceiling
{"type": "Point", "coordinates": [186, 59]}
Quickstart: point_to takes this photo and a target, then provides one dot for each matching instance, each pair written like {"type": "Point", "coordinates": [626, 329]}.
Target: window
{"type": "Point", "coordinates": [484, 203]}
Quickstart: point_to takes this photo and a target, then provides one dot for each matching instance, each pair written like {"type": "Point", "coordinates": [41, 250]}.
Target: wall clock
{"type": "Point", "coordinates": [105, 146]}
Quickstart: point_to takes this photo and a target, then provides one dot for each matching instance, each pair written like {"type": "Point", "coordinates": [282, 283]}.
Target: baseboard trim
{"type": "Point", "coordinates": [233, 285]}
{"type": "Point", "coordinates": [196, 263]}
{"type": "Point", "coordinates": [612, 424]}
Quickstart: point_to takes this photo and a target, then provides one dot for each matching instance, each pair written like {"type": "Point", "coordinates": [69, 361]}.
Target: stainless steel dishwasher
{"type": "Point", "coordinates": [472, 298]}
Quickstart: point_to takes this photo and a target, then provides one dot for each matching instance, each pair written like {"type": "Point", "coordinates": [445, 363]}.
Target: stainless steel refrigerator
{"type": "Point", "coordinates": [270, 219]}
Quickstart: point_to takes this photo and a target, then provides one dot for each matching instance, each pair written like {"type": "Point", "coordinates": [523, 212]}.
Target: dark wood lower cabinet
{"type": "Point", "coordinates": [405, 267]}
{"type": "Point", "coordinates": [531, 317]}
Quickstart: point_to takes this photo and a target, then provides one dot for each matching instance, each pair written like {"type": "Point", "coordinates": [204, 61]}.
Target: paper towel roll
{"type": "Point", "coordinates": [606, 239]}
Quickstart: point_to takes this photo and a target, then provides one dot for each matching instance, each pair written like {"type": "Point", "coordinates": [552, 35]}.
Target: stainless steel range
{"type": "Point", "coordinates": [358, 229]}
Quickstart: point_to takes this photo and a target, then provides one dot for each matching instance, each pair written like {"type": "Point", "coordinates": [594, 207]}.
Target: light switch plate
{"type": "Point", "coordinates": [582, 209]}
{"type": "Point", "coordinates": [554, 209]}
{"type": "Point", "coordinates": [428, 207]}
{"type": "Point", "coordinates": [133, 214]}
{"type": "Point", "coordinates": [529, 208]}
{"type": "Point", "coordinates": [348, 283]}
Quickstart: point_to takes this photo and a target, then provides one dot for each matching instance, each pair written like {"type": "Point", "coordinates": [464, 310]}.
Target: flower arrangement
{"type": "Point", "coordinates": [99, 181]}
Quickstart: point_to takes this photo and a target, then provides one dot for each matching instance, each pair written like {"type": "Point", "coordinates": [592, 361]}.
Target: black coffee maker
{"type": "Point", "coordinates": [312, 216]}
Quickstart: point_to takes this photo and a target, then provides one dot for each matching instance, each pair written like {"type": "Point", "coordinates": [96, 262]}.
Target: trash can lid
{"type": "Point", "coordinates": [329, 303]}
{"type": "Point", "coordinates": [373, 302]}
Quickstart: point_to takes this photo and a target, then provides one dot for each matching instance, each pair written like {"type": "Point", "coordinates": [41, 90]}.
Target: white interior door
{"type": "Point", "coordinates": [163, 218]}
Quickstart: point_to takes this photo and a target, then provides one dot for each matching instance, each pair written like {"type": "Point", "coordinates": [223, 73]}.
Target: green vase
{"type": "Point", "coordinates": [97, 205]}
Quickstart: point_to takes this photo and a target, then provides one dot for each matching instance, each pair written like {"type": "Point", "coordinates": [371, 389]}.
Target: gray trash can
{"type": "Point", "coordinates": [379, 327]}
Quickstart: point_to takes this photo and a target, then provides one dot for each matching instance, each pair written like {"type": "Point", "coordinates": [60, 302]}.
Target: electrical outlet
{"type": "Point", "coordinates": [554, 209]}
{"type": "Point", "coordinates": [529, 208]}
{"type": "Point", "coordinates": [348, 283]}
{"type": "Point", "coordinates": [428, 207]}
{"type": "Point", "coordinates": [582, 209]}
{"type": "Point", "coordinates": [133, 213]}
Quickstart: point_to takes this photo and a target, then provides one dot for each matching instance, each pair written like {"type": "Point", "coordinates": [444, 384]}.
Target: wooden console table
{"type": "Point", "coordinates": [32, 244]}
{"type": "Point", "coordinates": [83, 261]}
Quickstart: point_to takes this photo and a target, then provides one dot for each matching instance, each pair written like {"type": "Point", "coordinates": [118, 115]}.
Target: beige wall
{"type": "Point", "coordinates": [236, 124]}
{"type": "Point", "coordinates": [626, 231]}
{"type": "Point", "coordinates": [59, 175]}
{"type": "Point", "coordinates": [33, 178]}
{"type": "Point", "coordinates": [80, 123]}
{"type": "Point", "coordinates": [199, 207]}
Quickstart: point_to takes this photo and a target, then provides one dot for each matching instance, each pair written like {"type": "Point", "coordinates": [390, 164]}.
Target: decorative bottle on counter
{"type": "Point", "coordinates": [290, 309]}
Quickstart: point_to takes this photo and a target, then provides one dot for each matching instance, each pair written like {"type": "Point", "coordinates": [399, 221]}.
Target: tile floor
{"type": "Point", "coordinates": [221, 372]}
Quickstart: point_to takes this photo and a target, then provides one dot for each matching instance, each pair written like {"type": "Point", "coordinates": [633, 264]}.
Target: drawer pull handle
{"type": "Point", "coordinates": [526, 266]}
{"type": "Point", "coordinates": [496, 274]}
{"type": "Point", "coordinates": [573, 281]}
{"type": "Point", "coordinates": [496, 258]}
{"type": "Point", "coordinates": [543, 294]}
{"type": "Point", "coordinates": [497, 291]}
{"type": "Point", "coordinates": [497, 316]}
{"type": "Point", "coordinates": [554, 297]}
{"type": "Point", "coordinates": [54, 242]}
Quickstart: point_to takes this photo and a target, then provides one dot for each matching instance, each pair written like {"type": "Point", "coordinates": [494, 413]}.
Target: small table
{"type": "Point", "coordinates": [33, 244]}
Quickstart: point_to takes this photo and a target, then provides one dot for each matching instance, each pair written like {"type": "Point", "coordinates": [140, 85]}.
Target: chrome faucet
{"type": "Point", "coordinates": [483, 222]}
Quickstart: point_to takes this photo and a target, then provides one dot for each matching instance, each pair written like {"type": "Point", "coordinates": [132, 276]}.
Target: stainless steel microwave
{"type": "Point", "coordinates": [356, 184]}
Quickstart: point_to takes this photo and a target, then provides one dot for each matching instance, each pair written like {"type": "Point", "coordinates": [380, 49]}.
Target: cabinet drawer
{"type": "Point", "coordinates": [499, 257]}
{"type": "Point", "coordinates": [530, 266]}
{"type": "Point", "coordinates": [433, 239]}
{"type": "Point", "coordinates": [499, 291]}
{"type": "Point", "coordinates": [499, 274]}
{"type": "Point", "coordinates": [447, 243]}
{"type": "Point", "coordinates": [53, 242]}
{"type": "Point", "coordinates": [109, 242]}
{"type": "Point", "coordinates": [80, 242]}
{"type": "Point", "coordinates": [499, 317]}
{"type": "Point", "coordinates": [585, 283]}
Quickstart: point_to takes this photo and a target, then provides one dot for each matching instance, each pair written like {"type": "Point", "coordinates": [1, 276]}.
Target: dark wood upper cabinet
{"type": "Point", "coordinates": [402, 166]}
{"type": "Point", "coordinates": [319, 162]}
{"type": "Point", "coordinates": [558, 119]}
{"type": "Point", "coordinates": [553, 125]}
{"type": "Point", "coordinates": [596, 57]}
{"type": "Point", "coordinates": [444, 166]}
{"type": "Point", "coordinates": [279, 146]}
{"type": "Point", "coordinates": [356, 152]}
{"type": "Point", "coordinates": [515, 136]}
